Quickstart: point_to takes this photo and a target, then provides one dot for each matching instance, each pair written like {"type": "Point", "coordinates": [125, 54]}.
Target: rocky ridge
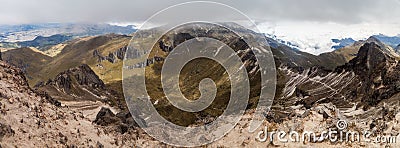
{"type": "Point", "coordinates": [28, 119]}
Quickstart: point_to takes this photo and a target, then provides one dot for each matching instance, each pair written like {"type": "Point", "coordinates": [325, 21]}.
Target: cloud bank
{"type": "Point", "coordinates": [308, 23]}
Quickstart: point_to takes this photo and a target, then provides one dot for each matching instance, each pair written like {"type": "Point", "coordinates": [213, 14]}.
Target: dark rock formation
{"type": "Point", "coordinates": [99, 145]}
{"type": "Point", "coordinates": [164, 47]}
{"type": "Point", "coordinates": [121, 121]}
{"type": "Point", "coordinates": [121, 52]}
{"type": "Point", "coordinates": [106, 117]}
{"type": "Point", "coordinates": [83, 75]}
{"type": "Point", "coordinates": [48, 98]}
{"type": "Point", "coordinates": [97, 55]}
{"type": "Point", "coordinates": [112, 57]}
{"type": "Point", "coordinates": [378, 71]}
{"type": "Point", "coordinates": [5, 130]}
{"type": "Point", "coordinates": [80, 83]}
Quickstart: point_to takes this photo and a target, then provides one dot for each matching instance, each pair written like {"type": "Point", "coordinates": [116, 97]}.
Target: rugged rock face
{"type": "Point", "coordinates": [79, 83]}
{"type": "Point", "coordinates": [16, 78]}
{"type": "Point", "coordinates": [6, 130]}
{"type": "Point", "coordinates": [378, 71]}
{"type": "Point", "coordinates": [105, 117]}
{"type": "Point", "coordinates": [112, 57]}
{"type": "Point", "coordinates": [121, 121]}
{"type": "Point", "coordinates": [120, 53]}
{"type": "Point", "coordinates": [366, 80]}
{"type": "Point", "coordinates": [83, 75]}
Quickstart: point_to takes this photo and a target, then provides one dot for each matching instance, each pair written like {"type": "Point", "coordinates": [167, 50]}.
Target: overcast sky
{"type": "Point", "coordinates": [274, 15]}
{"type": "Point", "coordinates": [340, 11]}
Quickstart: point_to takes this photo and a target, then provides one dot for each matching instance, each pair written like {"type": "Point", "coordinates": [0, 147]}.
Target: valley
{"type": "Point", "coordinates": [77, 89]}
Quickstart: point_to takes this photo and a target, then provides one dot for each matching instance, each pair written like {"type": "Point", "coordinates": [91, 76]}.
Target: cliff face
{"type": "Point", "coordinates": [78, 84]}
{"type": "Point", "coordinates": [369, 78]}
{"type": "Point", "coordinates": [378, 70]}
{"type": "Point", "coordinates": [112, 57]}
{"type": "Point", "coordinates": [82, 75]}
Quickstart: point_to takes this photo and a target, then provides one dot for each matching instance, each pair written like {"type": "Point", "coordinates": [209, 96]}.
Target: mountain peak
{"type": "Point", "coordinates": [377, 69]}
{"type": "Point", "coordinates": [83, 75]}
{"type": "Point", "coordinates": [370, 57]}
{"type": "Point", "coordinates": [79, 81]}
{"type": "Point", "coordinates": [391, 41]}
{"type": "Point", "coordinates": [373, 39]}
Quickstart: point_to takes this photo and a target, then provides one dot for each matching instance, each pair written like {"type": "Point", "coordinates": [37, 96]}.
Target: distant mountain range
{"type": "Point", "coordinates": [274, 41]}
{"type": "Point", "coordinates": [44, 37]}
{"type": "Point", "coordinates": [392, 41]}
{"type": "Point", "coordinates": [27, 32]}
{"type": "Point", "coordinates": [338, 43]}
{"type": "Point", "coordinates": [342, 42]}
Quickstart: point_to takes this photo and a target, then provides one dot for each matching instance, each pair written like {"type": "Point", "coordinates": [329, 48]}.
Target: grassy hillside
{"type": "Point", "coordinates": [29, 60]}
{"type": "Point", "coordinates": [40, 67]}
{"type": "Point", "coordinates": [81, 52]}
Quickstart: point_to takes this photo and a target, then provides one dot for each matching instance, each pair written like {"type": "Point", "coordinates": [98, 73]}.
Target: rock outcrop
{"type": "Point", "coordinates": [378, 71]}
{"type": "Point", "coordinates": [6, 130]}
{"type": "Point", "coordinates": [83, 75]}
{"type": "Point", "coordinates": [105, 117]}
{"type": "Point", "coordinates": [112, 57]}
{"type": "Point", "coordinates": [121, 121]}
{"type": "Point", "coordinates": [80, 83]}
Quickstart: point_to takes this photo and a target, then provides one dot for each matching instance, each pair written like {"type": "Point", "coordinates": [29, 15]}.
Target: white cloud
{"type": "Point", "coordinates": [308, 23]}
{"type": "Point", "coordinates": [315, 37]}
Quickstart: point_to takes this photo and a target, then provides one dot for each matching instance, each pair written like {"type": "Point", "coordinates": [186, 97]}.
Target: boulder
{"type": "Point", "coordinates": [106, 117]}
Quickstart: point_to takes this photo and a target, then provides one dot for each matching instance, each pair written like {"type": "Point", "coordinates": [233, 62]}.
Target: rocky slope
{"type": "Point", "coordinates": [364, 92]}
{"type": "Point", "coordinates": [365, 81]}
{"type": "Point", "coordinates": [29, 119]}
{"type": "Point", "coordinates": [79, 83]}
{"type": "Point", "coordinates": [27, 59]}
{"type": "Point", "coordinates": [360, 85]}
